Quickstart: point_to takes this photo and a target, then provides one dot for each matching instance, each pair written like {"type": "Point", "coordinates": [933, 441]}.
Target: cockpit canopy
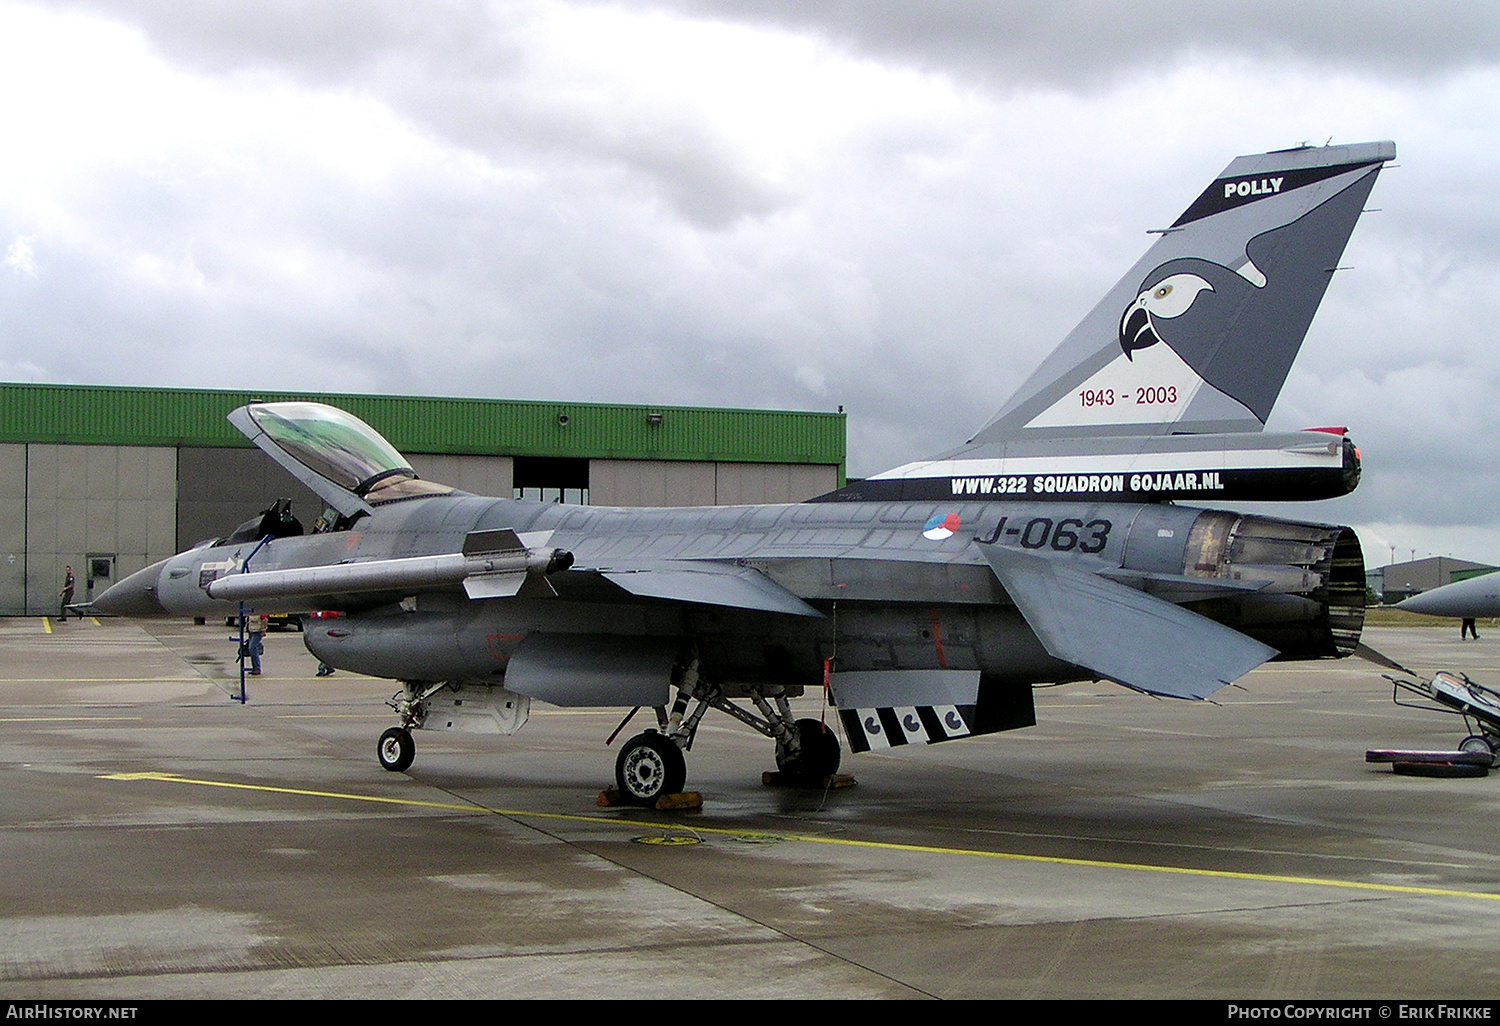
{"type": "Point", "coordinates": [340, 457]}
{"type": "Point", "coordinates": [332, 443]}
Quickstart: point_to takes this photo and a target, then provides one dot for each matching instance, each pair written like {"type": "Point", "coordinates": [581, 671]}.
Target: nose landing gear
{"type": "Point", "coordinates": [396, 749]}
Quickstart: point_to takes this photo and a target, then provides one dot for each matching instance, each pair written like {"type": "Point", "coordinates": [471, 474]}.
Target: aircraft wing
{"type": "Point", "coordinates": [706, 583]}
{"type": "Point", "coordinates": [499, 564]}
{"type": "Point", "coordinates": [1125, 635]}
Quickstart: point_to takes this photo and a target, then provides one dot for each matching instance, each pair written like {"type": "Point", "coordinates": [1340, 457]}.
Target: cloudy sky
{"type": "Point", "coordinates": [896, 206]}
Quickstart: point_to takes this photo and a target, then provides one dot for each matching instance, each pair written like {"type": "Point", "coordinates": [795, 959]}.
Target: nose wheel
{"type": "Point", "coordinates": [396, 749]}
{"type": "Point", "coordinates": [649, 767]}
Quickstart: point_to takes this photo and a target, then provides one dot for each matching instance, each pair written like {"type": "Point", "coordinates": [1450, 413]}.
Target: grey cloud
{"type": "Point", "coordinates": [1084, 43]}
{"type": "Point", "coordinates": [329, 42]}
{"type": "Point", "coordinates": [1060, 42]}
{"type": "Point", "coordinates": [458, 71]}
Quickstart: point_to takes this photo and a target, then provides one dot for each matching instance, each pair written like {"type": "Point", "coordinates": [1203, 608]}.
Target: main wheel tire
{"type": "Point", "coordinates": [820, 752]}
{"type": "Point", "coordinates": [650, 766]}
{"type": "Point", "coordinates": [396, 749]}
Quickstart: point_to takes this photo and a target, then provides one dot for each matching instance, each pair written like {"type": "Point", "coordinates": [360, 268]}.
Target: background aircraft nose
{"type": "Point", "coordinates": [135, 595]}
{"type": "Point", "coordinates": [1478, 596]}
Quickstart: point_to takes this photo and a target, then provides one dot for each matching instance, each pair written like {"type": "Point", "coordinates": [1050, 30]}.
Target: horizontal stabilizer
{"type": "Point", "coordinates": [710, 584]}
{"type": "Point", "coordinates": [1380, 659]}
{"type": "Point", "coordinates": [1125, 635]}
{"type": "Point", "coordinates": [1180, 587]}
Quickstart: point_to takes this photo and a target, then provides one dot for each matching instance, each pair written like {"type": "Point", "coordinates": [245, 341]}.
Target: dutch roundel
{"type": "Point", "coordinates": [941, 526]}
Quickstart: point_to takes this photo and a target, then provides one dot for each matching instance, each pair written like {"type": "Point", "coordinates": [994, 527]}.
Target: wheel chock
{"type": "Point", "coordinates": [610, 798]}
{"type": "Point", "coordinates": [685, 800]}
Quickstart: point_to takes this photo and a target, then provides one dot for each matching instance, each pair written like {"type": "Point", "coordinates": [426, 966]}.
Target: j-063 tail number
{"type": "Point", "coordinates": [1061, 536]}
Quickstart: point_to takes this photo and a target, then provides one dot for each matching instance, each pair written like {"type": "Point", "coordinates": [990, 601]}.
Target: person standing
{"type": "Point", "coordinates": [66, 594]}
{"type": "Point", "coordinates": [255, 637]}
{"type": "Point", "coordinates": [324, 670]}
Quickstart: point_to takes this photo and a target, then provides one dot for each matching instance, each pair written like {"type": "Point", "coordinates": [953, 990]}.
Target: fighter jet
{"type": "Point", "coordinates": [1475, 597]}
{"type": "Point", "coordinates": [927, 601]}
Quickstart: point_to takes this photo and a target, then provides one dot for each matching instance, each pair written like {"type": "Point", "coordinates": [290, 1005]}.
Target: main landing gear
{"type": "Point", "coordinates": [817, 757]}
{"type": "Point", "coordinates": [651, 765]}
{"type": "Point", "coordinates": [649, 768]}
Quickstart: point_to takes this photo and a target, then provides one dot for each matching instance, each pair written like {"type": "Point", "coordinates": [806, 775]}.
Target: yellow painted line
{"type": "Point", "coordinates": [65, 719]}
{"type": "Point", "coordinates": [95, 621]}
{"type": "Point", "coordinates": [635, 824]}
{"type": "Point", "coordinates": [47, 624]}
{"type": "Point", "coordinates": [102, 680]}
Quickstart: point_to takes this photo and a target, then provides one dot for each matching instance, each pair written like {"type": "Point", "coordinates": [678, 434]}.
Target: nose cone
{"type": "Point", "coordinates": [1411, 605]}
{"type": "Point", "coordinates": [1478, 596]}
{"type": "Point", "coordinates": [135, 595]}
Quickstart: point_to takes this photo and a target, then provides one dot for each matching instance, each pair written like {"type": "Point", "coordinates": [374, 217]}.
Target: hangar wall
{"type": "Point", "coordinates": [13, 527]}
{"type": "Point", "coordinates": [218, 489]}
{"type": "Point", "coordinates": [477, 475]}
{"type": "Point", "coordinates": [115, 503]}
{"type": "Point", "coordinates": [686, 483]}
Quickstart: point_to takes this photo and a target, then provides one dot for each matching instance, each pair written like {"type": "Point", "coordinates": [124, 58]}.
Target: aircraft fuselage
{"type": "Point", "coordinates": [900, 585]}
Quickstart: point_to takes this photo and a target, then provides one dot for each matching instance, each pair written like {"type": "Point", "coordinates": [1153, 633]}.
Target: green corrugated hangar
{"type": "Point", "coordinates": [111, 479]}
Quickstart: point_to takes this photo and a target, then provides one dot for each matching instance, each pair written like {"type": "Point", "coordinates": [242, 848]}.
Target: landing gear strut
{"type": "Point", "coordinates": [652, 766]}
{"type": "Point", "coordinates": [396, 749]}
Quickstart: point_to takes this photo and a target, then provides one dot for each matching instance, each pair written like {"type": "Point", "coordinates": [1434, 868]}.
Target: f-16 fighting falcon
{"type": "Point", "coordinates": [928, 600]}
{"type": "Point", "coordinates": [1468, 599]}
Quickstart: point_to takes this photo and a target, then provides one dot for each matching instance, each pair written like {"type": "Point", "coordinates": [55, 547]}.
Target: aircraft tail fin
{"type": "Point", "coordinates": [1199, 336]}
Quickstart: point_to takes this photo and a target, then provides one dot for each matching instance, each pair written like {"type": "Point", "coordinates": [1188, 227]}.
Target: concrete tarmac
{"type": "Point", "coordinates": [163, 841]}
